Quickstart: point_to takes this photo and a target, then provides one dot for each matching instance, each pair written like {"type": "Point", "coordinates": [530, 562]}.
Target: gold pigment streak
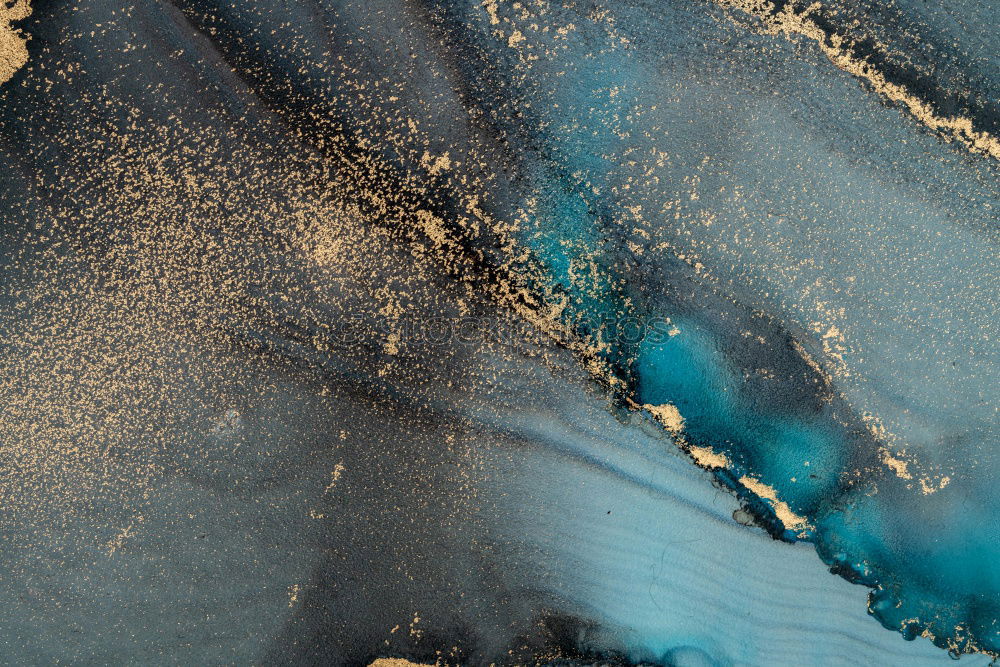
{"type": "Point", "coordinates": [13, 42]}
{"type": "Point", "coordinates": [839, 51]}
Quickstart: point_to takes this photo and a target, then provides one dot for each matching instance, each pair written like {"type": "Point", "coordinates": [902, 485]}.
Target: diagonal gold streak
{"type": "Point", "coordinates": [791, 22]}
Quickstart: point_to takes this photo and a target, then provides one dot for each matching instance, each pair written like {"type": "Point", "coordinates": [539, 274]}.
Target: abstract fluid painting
{"type": "Point", "coordinates": [494, 332]}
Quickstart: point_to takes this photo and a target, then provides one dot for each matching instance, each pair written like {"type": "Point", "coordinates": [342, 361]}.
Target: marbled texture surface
{"type": "Point", "coordinates": [499, 332]}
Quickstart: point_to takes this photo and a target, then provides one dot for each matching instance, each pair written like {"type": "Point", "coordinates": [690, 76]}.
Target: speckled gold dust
{"type": "Point", "coordinates": [93, 405]}
{"type": "Point", "coordinates": [841, 53]}
{"type": "Point", "coordinates": [93, 399]}
{"type": "Point", "coordinates": [109, 347]}
{"type": "Point", "coordinates": [84, 401]}
{"type": "Point", "coordinates": [13, 42]}
{"type": "Point", "coordinates": [545, 309]}
{"type": "Point", "coordinates": [93, 402]}
{"type": "Point", "coordinates": [102, 367]}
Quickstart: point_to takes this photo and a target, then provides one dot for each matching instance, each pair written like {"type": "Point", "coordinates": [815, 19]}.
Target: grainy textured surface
{"type": "Point", "coordinates": [498, 332]}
